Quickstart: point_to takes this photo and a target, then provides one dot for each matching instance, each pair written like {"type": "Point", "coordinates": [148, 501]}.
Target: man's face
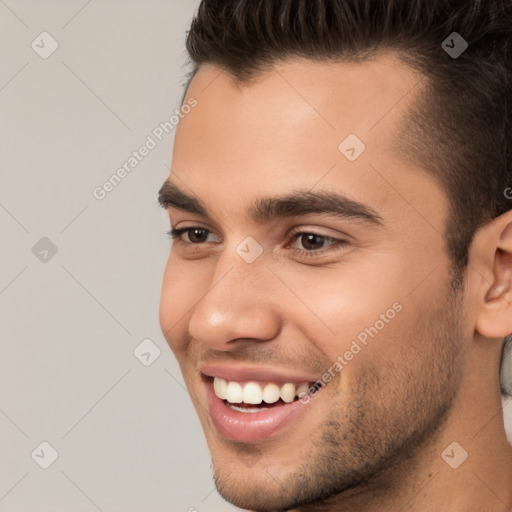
{"type": "Point", "coordinates": [354, 293]}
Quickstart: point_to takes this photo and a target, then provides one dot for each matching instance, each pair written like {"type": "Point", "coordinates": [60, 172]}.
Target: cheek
{"type": "Point", "coordinates": [367, 310]}
{"type": "Point", "coordinates": [339, 306]}
{"type": "Point", "coordinates": [180, 291]}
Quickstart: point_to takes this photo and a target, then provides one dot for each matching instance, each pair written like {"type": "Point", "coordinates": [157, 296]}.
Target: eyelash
{"type": "Point", "coordinates": [336, 243]}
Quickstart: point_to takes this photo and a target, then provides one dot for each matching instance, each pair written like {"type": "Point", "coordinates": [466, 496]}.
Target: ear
{"type": "Point", "coordinates": [495, 316]}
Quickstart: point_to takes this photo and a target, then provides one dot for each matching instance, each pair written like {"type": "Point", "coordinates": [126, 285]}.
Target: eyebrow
{"type": "Point", "coordinates": [265, 209]}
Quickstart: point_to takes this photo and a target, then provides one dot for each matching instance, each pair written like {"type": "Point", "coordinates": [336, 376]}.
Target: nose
{"type": "Point", "coordinates": [238, 306]}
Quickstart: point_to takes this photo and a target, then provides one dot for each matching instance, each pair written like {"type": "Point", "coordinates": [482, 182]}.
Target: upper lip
{"type": "Point", "coordinates": [246, 373]}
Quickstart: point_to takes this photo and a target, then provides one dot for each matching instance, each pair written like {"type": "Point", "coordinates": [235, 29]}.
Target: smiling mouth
{"type": "Point", "coordinates": [252, 396]}
{"type": "Point", "coordinates": [248, 404]}
{"type": "Point", "coordinates": [252, 411]}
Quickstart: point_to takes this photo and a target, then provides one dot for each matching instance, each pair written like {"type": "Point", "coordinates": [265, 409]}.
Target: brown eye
{"type": "Point", "coordinates": [308, 244]}
{"type": "Point", "coordinates": [312, 241]}
{"type": "Point", "coordinates": [197, 235]}
{"type": "Point", "coordinates": [193, 235]}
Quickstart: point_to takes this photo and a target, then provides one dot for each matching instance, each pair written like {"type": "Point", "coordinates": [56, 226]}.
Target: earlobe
{"type": "Point", "coordinates": [495, 319]}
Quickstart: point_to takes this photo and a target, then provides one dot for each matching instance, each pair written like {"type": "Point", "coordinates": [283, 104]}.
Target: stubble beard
{"type": "Point", "coordinates": [395, 411]}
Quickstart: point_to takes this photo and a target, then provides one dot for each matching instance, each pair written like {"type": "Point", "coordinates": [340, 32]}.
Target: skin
{"type": "Point", "coordinates": [372, 439]}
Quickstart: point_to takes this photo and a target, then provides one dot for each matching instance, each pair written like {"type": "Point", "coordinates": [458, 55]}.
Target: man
{"type": "Point", "coordinates": [339, 285]}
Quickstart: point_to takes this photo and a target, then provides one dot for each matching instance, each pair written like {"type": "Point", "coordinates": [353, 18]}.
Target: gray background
{"type": "Point", "coordinates": [126, 434]}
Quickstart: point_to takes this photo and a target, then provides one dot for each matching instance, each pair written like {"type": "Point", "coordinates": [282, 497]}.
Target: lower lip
{"type": "Point", "coordinates": [246, 427]}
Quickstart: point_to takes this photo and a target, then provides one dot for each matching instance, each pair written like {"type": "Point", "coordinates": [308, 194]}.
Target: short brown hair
{"type": "Point", "coordinates": [459, 130]}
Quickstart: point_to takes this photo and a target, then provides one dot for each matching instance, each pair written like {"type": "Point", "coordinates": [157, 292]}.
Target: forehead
{"type": "Point", "coordinates": [332, 125]}
{"type": "Point", "coordinates": [342, 96]}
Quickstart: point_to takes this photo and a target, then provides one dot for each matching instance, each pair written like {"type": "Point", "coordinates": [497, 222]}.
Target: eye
{"type": "Point", "coordinates": [192, 235]}
{"type": "Point", "coordinates": [312, 241]}
{"type": "Point", "coordinates": [315, 246]}
{"type": "Point", "coordinates": [303, 244]}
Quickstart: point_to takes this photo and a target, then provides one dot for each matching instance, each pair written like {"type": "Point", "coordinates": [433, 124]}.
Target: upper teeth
{"type": "Point", "coordinates": [254, 393]}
